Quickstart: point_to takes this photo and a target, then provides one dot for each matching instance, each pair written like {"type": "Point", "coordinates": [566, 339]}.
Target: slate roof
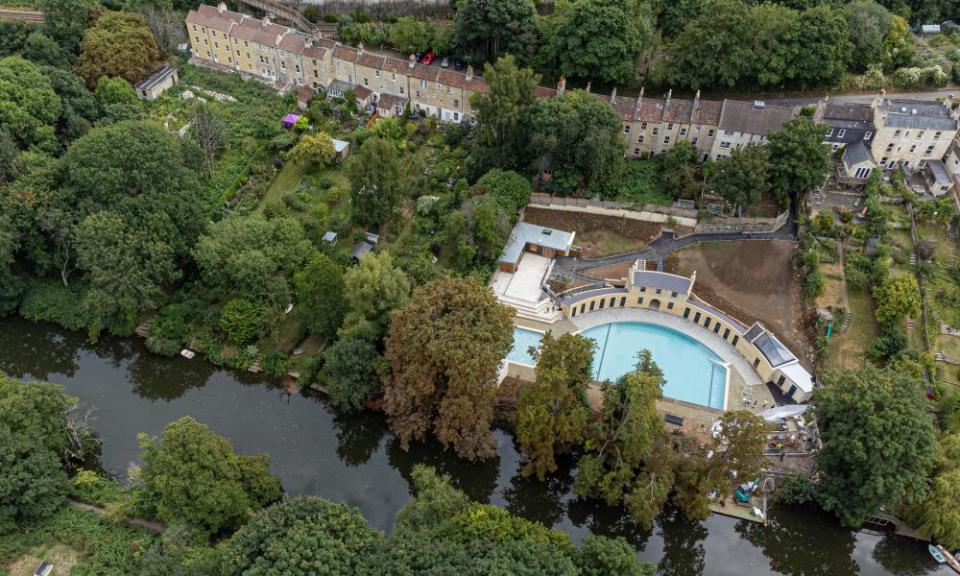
{"type": "Point", "coordinates": [915, 114]}
{"type": "Point", "coordinates": [747, 117]}
{"type": "Point", "coordinates": [856, 153]}
{"type": "Point", "coordinates": [661, 280]}
{"type": "Point", "coordinates": [851, 112]}
{"type": "Point", "coordinates": [920, 122]}
{"type": "Point", "coordinates": [155, 78]}
{"type": "Point", "coordinates": [391, 101]}
{"type": "Point", "coordinates": [939, 171]}
{"type": "Point", "coordinates": [773, 350]}
{"type": "Point", "coordinates": [360, 249]}
{"type": "Point", "coordinates": [587, 294]}
{"type": "Point", "coordinates": [525, 233]}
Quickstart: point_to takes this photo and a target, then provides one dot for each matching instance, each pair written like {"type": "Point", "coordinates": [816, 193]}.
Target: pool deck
{"type": "Point", "coordinates": [745, 389]}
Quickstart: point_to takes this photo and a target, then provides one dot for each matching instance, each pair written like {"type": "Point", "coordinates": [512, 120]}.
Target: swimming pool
{"type": "Point", "coordinates": [693, 372]}
{"type": "Point", "coordinates": [523, 339]}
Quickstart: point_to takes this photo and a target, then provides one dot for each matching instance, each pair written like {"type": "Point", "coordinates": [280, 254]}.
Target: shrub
{"type": "Point", "coordinates": [241, 320]}
{"type": "Point", "coordinates": [796, 490]}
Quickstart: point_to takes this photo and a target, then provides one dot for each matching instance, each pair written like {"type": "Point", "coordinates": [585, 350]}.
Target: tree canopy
{"type": "Point", "coordinates": [376, 175]}
{"type": "Point", "coordinates": [488, 29]}
{"type": "Point", "coordinates": [118, 44]}
{"type": "Point", "coordinates": [31, 106]}
{"type": "Point", "coordinates": [444, 348]}
{"type": "Point", "coordinates": [799, 160]}
{"type": "Point", "coordinates": [878, 442]}
{"type": "Point", "coordinates": [741, 178]}
{"type": "Point", "coordinates": [193, 476]}
{"type": "Point", "coordinates": [897, 298]}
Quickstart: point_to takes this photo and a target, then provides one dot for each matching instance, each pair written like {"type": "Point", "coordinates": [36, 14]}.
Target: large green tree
{"type": "Point", "coordinates": [897, 298]}
{"type": "Point", "coordinates": [444, 348]}
{"type": "Point", "coordinates": [65, 21]}
{"type": "Point", "coordinates": [938, 516]}
{"type": "Point", "coordinates": [118, 44]}
{"type": "Point", "coordinates": [599, 40]}
{"type": "Point", "coordinates": [741, 179]}
{"type": "Point", "coordinates": [867, 26]}
{"type": "Point", "coordinates": [373, 289]}
{"type": "Point", "coordinates": [488, 29]}
{"type": "Point", "coordinates": [627, 459]}
{"type": "Point", "coordinates": [30, 107]}
{"type": "Point", "coordinates": [502, 116]}
{"type": "Point", "coordinates": [552, 412]}
{"type": "Point", "coordinates": [878, 442]}
{"type": "Point", "coordinates": [319, 290]}
{"type": "Point", "coordinates": [595, 164]}
{"type": "Point", "coordinates": [194, 477]}
{"type": "Point", "coordinates": [510, 189]}
{"type": "Point", "coordinates": [377, 176]}
{"type": "Point", "coordinates": [302, 537]}
{"type": "Point", "coordinates": [799, 160]}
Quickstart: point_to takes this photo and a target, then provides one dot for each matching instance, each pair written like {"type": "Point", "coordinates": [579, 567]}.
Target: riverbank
{"type": "Point", "coordinates": [353, 459]}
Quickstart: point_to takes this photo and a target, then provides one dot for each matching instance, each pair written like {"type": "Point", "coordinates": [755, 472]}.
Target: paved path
{"type": "Point", "coordinates": [21, 14]}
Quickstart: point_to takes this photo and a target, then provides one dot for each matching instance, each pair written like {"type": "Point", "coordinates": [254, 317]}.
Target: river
{"type": "Point", "coordinates": [353, 459]}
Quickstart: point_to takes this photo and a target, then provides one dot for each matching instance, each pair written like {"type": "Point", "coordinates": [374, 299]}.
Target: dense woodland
{"type": "Point", "coordinates": [199, 219]}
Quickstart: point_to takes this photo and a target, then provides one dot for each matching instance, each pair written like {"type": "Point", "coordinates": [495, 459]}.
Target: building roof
{"type": "Point", "coordinates": [856, 153]}
{"type": "Point", "coordinates": [737, 325]}
{"type": "Point", "coordinates": [329, 236]}
{"type": "Point", "coordinates": [575, 297]}
{"type": "Point", "coordinates": [799, 376]}
{"type": "Point", "coordinates": [849, 112]}
{"type": "Point", "coordinates": [362, 92]}
{"type": "Point", "coordinates": [157, 77]}
{"type": "Point", "coordinates": [339, 145]}
{"type": "Point", "coordinates": [938, 171]}
{"type": "Point", "coordinates": [360, 249]}
{"type": "Point", "coordinates": [525, 233]}
{"type": "Point", "coordinates": [917, 114]}
{"type": "Point", "coordinates": [754, 117]}
{"type": "Point", "coordinates": [773, 350]}
{"type": "Point", "coordinates": [661, 280]}
{"type": "Point", "coordinates": [391, 101]}
{"type": "Point", "coordinates": [920, 122]}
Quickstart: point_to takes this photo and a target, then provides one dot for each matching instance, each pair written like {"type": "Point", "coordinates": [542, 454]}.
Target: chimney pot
{"type": "Point", "coordinates": [588, 87]}
{"type": "Point", "coordinates": [413, 61]}
{"type": "Point", "coordinates": [221, 7]}
{"type": "Point", "coordinates": [469, 73]}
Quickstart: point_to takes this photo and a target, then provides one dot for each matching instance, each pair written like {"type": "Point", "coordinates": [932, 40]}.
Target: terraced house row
{"type": "Point", "coordinates": [289, 59]}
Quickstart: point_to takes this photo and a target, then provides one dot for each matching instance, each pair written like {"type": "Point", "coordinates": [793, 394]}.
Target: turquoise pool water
{"type": "Point", "coordinates": [693, 373]}
{"type": "Point", "coordinates": [523, 339]}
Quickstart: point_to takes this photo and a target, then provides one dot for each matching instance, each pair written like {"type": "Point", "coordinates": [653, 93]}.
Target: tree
{"type": "Point", "coordinates": [739, 447]}
{"type": "Point", "coordinates": [252, 257]}
{"type": "Point", "coordinates": [117, 101]}
{"type": "Point", "coordinates": [444, 348]}
{"type": "Point", "coordinates": [622, 440]}
{"type": "Point", "coordinates": [408, 35]}
{"type": "Point", "coordinates": [489, 29]}
{"type": "Point", "coordinates": [509, 189]}
{"type": "Point", "coordinates": [821, 49]}
{"type": "Point", "coordinates": [241, 320]}
{"type": "Point", "coordinates": [209, 131]}
{"type": "Point", "coordinates": [373, 289]}
{"type": "Point", "coordinates": [878, 442]}
{"type": "Point", "coordinates": [299, 537]}
{"type": "Point", "coordinates": [595, 166]}
{"type": "Point", "coordinates": [118, 44]}
{"type": "Point", "coordinates": [126, 268]}
{"type": "Point", "coordinates": [502, 114]}
{"type": "Point", "coordinates": [799, 160]}
{"type": "Point", "coordinates": [899, 49]}
{"type": "Point", "coordinates": [600, 556]}
{"type": "Point", "coordinates": [64, 21]}
{"type": "Point", "coordinates": [31, 107]}
{"type": "Point", "coordinates": [193, 476]}
{"type": "Point", "coordinates": [376, 180]}
{"type": "Point", "coordinates": [350, 372]}
{"type": "Point", "coordinates": [42, 50]}
{"type": "Point", "coordinates": [79, 104]}
{"type": "Point", "coordinates": [741, 178]}
{"type": "Point", "coordinates": [867, 25]}
{"type": "Point", "coordinates": [600, 40]}
{"type": "Point", "coordinates": [34, 435]}
{"type": "Point", "coordinates": [488, 225]}
{"type": "Point", "coordinates": [552, 412]}
{"type": "Point", "coordinates": [897, 298]}
{"type": "Point", "coordinates": [678, 170]}
{"type": "Point", "coordinates": [319, 290]}
{"type": "Point", "coordinates": [313, 150]}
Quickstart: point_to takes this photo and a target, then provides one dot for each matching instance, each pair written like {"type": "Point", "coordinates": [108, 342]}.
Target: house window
{"type": "Point", "coordinates": [643, 125]}
{"type": "Point", "coordinates": [736, 339]}
{"type": "Point", "coordinates": [906, 134]}
{"type": "Point", "coordinates": [623, 301]}
{"type": "Point", "coordinates": [659, 291]}
{"type": "Point", "coordinates": [666, 139]}
{"type": "Point", "coordinates": [716, 328]}
{"type": "Point", "coordinates": [297, 67]}
{"type": "Point", "coordinates": [456, 116]}
{"type": "Point", "coordinates": [929, 150]}
{"type": "Point", "coordinates": [862, 173]}
{"type": "Point", "coordinates": [423, 83]}
{"type": "Point", "coordinates": [694, 141]}
{"type": "Point", "coordinates": [913, 148]}
{"type": "Point", "coordinates": [656, 130]}
{"type": "Point", "coordinates": [890, 147]}
{"type": "Point", "coordinates": [626, 128]}
{"type": "Point", "coordinates": [456, 103]}
{"type": "Point", "coordinates": [696, 318]}
{"type": "Point", "coordinates": [673, 294]}
{"type": "Point", "coordinates": [868, 135]}
{"type": "Point", "coordinates": [636, 151]}
{"type": "Point", "coordinates": [686, 313]}
{"type": "Point", "coordinates": [377, 73]}
{"type": "Point", "coordinates": [591, 305]}
{"type": "Point", "coordinates": [670, 126]}
{"type": "Point", "coordinates": [841, 133]}
{"type": "Point", "coordinates": [897, 133]}
{"type": "Point", "coordinates": [602, 303]}
{"type": "Point", "coordinates": [246, 45]}
{"type": "Point", "coordinates": [418, 94]}
{"type": "Point", "coordinates": [401, 90]}
{"type": "Point", "coordinates": [883, 161]}
{"type": "Point", "coordinates": [365, 83]}
{"type": "Point", "coordinates": [194, 27]}
{"type": "Point", "coordinates": [725, 145]}
{"type": "Point", "coordinates": [669, 305]}
{"type": "Point", "coordinates": [393, 76]}
{"type": "Point", "coordinates": [216, 44]}
{"type": "Point", "coordinates": [710, 133]}
{"type": "Point", "coordinates": [683, 131]}
{"type": "Point", "coordinates": [726, 333]}
{"type": "Point", "coordinates": [283, 65]}
{"type": "Point", "coordinates": [640, 139]}
{"type": "Point", "coordinates": [582, 307]}
{"type": "Point", "coordinates": [829, 132]}
{"type": "Point", "coordinates": [706, 323]}
{"type": "Point", "coordinates": [936, 135]}
{"type": "Point", "coordinates": [728, 132]}
{"type": "Point", "coordinates": [919, 135]}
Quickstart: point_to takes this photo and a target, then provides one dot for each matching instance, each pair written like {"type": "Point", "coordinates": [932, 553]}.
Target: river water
{"type": "Point", "coordinates": [355, 460]}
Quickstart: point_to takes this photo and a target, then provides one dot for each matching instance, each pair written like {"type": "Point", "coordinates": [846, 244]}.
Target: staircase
{"type": "Point", "coordinates": [542, 311]}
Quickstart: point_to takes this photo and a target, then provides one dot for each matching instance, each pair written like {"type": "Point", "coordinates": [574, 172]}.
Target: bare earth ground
{"type": "Point", "coordinates": [63, 558]}
{"type": "Point", "coordinates": [597, 235]}
{"type": "Point", "coordinates": [751, 280]}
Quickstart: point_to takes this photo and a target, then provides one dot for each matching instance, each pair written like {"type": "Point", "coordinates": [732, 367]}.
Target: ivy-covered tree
{"type": "Point", "coordinates": [878, 442]}
{"type": "Point", "coordinates": [376, 175]}
{"type": "Point", "coordinates": [552, 412]}
{"type": "Point", "coordinates": [741, 178]}
{"type": "Point", "coordinates": [444, 348]}
{"type": "Point", "coordinates": [194, 477]}
{"type": "Point", "coordinates": [118, 44]}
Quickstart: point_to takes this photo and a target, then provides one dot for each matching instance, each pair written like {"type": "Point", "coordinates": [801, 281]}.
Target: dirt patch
{"type": "Point", "coordinates": [754, 281]}
{"type": "Point", "coordinates": [63, 558]}
{"type": "Point", "coordinates": [598, 235]}
{"type": "Point", "coordinates": [613, 271]}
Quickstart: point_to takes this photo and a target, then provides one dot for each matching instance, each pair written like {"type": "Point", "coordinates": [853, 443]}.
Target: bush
{"type": "Point", "coordinates": [173, 327]}
{"type": "Point", "coordinates": [796, 490]}
{"type": "Point", "coordinates": [241, 320]}
{"type": "Point", "coordinates": [51, 301]}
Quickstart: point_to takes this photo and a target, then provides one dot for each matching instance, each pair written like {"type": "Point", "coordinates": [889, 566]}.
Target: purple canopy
{"type": "Point", "coordinates": [290, 119]}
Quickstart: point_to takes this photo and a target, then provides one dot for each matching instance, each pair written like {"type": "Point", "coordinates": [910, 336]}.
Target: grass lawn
{"type": "Point", "coordinates": [286, 180]}
{"type": "Point", "coordinates": [62, 557]}
{"type": "Point", "coordinates": [944, 248]}
{"type": "Point", "coordinates": [641, 183]}
{"type": "Point", "coordinates": [846, 350]}
{"type": "Point", "coordinates": [600, 243]}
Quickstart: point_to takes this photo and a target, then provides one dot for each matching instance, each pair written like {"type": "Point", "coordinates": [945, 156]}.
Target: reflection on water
{"type": "Point", "coordinates": [354, 459]}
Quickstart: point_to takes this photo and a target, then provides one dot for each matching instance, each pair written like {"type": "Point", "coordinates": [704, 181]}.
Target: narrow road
{"type": "Point", "coordinates": [138, 522]}
{"type": "Point", "coordinates": [868, 98]}
{"type": "Point", "coordinates": [21, 14]}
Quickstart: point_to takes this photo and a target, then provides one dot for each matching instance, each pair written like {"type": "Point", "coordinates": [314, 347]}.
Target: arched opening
{"type": "Point", "coordinates": [654, 304]}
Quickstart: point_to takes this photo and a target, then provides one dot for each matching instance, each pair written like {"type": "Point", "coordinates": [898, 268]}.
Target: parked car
{"type": "Point", "coordinates": [419, 56]}
{"type": "Point", "coordinates": [459, 64]}
{"type": "Point", "coordinates": [445, 63]}
{"type": "Point", "coordinates": [428, 58]}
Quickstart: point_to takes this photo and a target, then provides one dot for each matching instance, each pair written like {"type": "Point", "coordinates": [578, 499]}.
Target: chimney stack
{"type": "Point", "coordinates": [469, 73]}
{"type": "Point", "coordinates": [562, 86]}
{"type": "Point", "coordinates": [669, 95]}
{"type": "Point", "coordinates": [413, 61]}
{"type": "Point", "coordinates": [613, 96]}
{"type": "Point", "coordinates": [221, 7]}
{"type": "Point", "coordinates": [265, 22]}
{"type": "Point", "coordinates": [588, 88]}
{"type": "Point", "coordinates": [636, 109]}
{"type": "Point", "coordinates": [696, 106]}
{"type": "Point", "coordinates": [360, 48]}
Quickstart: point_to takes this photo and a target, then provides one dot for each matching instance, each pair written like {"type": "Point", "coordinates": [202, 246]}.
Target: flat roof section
{"type": "Point", "coordinates": [525, 233]}
{"type": "Point", "coordinates": [661, 280]}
